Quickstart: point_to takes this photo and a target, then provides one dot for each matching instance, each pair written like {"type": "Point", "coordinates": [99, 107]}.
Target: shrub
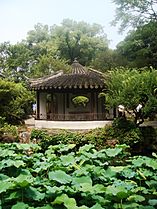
{"type": "Point", "coordinates": [123, 124]}
{"type": "Point", "coordinates": [38, 134]}
{"type": "Point", "coordinates": [140, 139]}
{"type": "Point", "coordinates": [80, 100]}
{"type": "Point", "coordinates": [2, 121]}
{"type": "Point", "coordinates": [15, 101]}
{"type": "Point", "coordinates": [126, 131]}
{"type": "Point", "coordinates": [8, 133]}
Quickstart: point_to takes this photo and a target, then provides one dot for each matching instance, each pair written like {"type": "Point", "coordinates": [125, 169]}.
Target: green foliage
{"type": "Point", "coordinates": [106, 60]}
{"type": "Point", "coordinates": [2, 121]}
{"type": "Point", "coordinates": [139, 47]}
{"type": "Point", "coordinates": [134, 13]}
{"type": "Point", "coordinates": [8, 131]}
{"type": "Point", "coordinates": [39, 34]}
{"type": "Point", "coordinates": [120, 132]}
{"type": "Point", "coordinates": [79, 39]}
{"type": "Point", "coordinates": [64, 137]}
{"type": "Point", "coordinates": [123, 124]}
{"type": "Point", "coordinates": [15, 101]}
{"type": "Point", "coordinates": [49, 49]}
{"type": "Point", "coordinates": [125, 131]}
{"type": "Point", "coordinates": [86, 179]}
{"type": "Point", "coordinates": [140, 139]}
{"type": "Point", "coordinates": [150, 139]}
{"type": "Point", "coordinates": [38, 134]}
{"type": "Point", "coordinates": [128, 86]}
{"type": "Point", "coordinates": [46, 64]}
{"type": "Point", "coordinates": [80, 100]}
{"type": "Point", "coordinates": [14, 61]}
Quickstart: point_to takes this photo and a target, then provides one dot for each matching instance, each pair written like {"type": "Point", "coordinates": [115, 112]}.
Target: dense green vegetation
{"type": "Point", "coordinates": [139, 47]}
{"type": "Point", "coordinates": [48, 49]}
{"type": "Point", "coordinates": [129, 87]}
{"type": "Point", "coordinates": [141, 140]}
{"type": "Point", "coordinates": [59, 178]}
{"type": "Point", "coordinates": [15, 101]}
{"type": "Point", "coordinates": [135, 13]}
{"type": "Point", "coordinates": [51, 48]}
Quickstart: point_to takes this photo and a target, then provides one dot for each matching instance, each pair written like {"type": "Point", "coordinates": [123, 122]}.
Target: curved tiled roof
{"type": "Point", "coordinates": [79, 77]}
{"type": "Point", "coordinates": [77, 68]}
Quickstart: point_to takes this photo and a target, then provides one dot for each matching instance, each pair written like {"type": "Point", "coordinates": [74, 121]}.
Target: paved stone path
{"type": "Point", "coordinates": [30, 122]}
{"type": "Point", "coordinates": [150, 123]}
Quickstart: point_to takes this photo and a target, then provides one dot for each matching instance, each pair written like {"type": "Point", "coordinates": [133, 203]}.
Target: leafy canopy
{"type": "Point", "coordinates": [129, 86]}
{"type": "Point", "coordinates": [139, 48]}
{"type": "Point", "coordinates": [78, 40]}
{"type": "Point", "coordinates": [15, 101]}
{"type": "Point", "coordinates": [135, 12]}
{"type": "Point", "coordinates": [52, 48]}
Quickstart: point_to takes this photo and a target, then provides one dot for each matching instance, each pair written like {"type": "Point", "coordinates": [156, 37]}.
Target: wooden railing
{"type": "Point", "coordinates": [83, 116]}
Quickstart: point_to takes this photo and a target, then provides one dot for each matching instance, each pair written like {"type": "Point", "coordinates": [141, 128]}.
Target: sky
{"type": "Point", "coordinates": [19, 16]}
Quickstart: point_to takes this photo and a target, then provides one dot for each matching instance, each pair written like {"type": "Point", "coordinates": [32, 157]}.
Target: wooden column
{"type": "Point", "coordinates": [92, 105]}
{"type": "Point", "coordinates": [64, 97]}
{"type": "Point", "coordinates": [96, 104]}
{"type": "Point", "coordinates": [38, 104]}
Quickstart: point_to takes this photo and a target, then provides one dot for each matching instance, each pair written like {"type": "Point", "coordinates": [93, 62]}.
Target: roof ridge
{"type": "Point", "coordinates": [46, 78]}
{"type": "Point", "coordinates": [96, 71]}
{"type": "Point", "coordinates": [77, 68]}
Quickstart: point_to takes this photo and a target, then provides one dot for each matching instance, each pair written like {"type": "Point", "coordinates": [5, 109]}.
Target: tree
{"type": "Point", "coordinates": [106, 60]}
{"type": "Point", "coordinates": [64, 43]}
{"type": "Point", "coordinates": [47, 49]}
{"type": "Point", "coordinates": [22, 60]}
{"type": "Point", "coordinates": [135, 12]}
{"type": "Point", "coordinates": [78, 40]}
{"type": "Point", "coordinates": [139, 48]}
{"type": "Point", "coordinates": [15, 101]}
{"type": "Point", "coordinates": [46, 65]}
{"type": "Point", "coordinates": [39, 34]}
{"type": "Point", "coordinates": [130, 87]}
{"type": "Point", "coordinates": [14, 60]}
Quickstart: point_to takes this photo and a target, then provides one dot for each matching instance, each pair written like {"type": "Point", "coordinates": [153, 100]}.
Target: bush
{"type": "Point", "coordinates": [15, 101]}
{"type": "Point", "coordinates": [108, 136]}
{"type": "Point", "coordinates": [149, 142]}
{"type": "Point", "coordinates": [63, 137]}
{"type": "Point", "coordinates": [123, 124]}
{"type": "Point", "coordinates": [2, 121]}
{"type": "Point", "coordinates": [8, 133]}
{"type": "Point", "coordinates": [80, 100]}
{"type": "Point", "coordinates": [38, 134]}
{"type": "Point", "coordinates": [126, 131]}
{"type": "Point", "coordinates": [140, 139]}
